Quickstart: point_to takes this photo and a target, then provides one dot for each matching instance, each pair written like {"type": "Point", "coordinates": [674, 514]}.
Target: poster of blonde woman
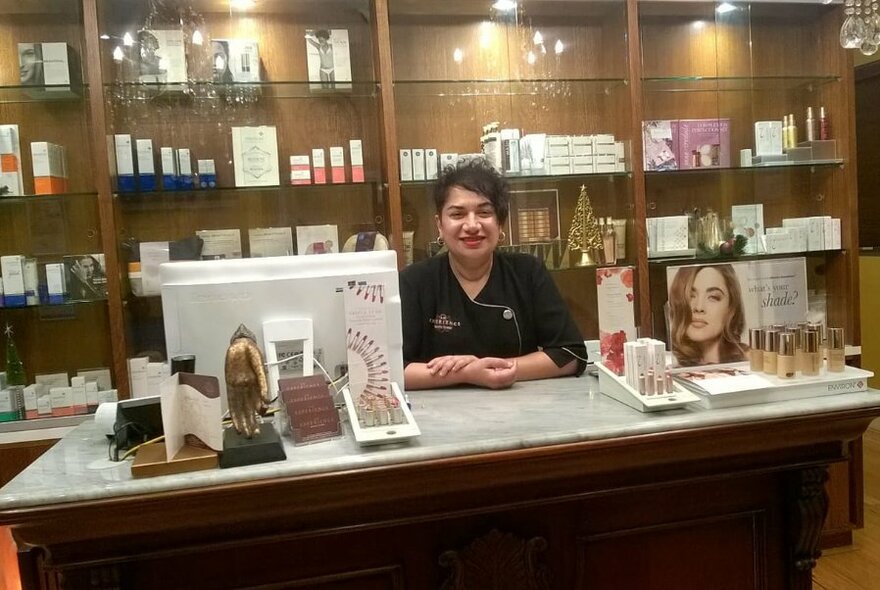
{"type": "Point", "coordinates": [712, 306]}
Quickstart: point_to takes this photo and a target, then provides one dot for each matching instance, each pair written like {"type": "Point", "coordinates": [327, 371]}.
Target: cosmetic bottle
{"type": "Point", "coordinates": [799, 349]}
{"type": "Point", "coordinates": [756, 350]}
{"type": "Point", "coordinates": [771, 342]}
{"type": "Point", "coordinates": [785, 364]}
{"type": "Point", "coordinates": [792, 129]}
{"type": "Point", "coordinates": [836, 355]}
{"type": "Point", "coordinates": [785, 132]}
{"type": "Point", "coordinates": [609, 242]}
{"type": "Point", "coordinates": [812, 356]}
{"type": "Point", "coordinates": [824, 125]}
{"type": "Point", "coordinates": [811, 125]}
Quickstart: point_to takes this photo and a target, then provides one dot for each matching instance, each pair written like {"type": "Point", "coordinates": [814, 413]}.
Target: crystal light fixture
{"type": "Point", "coordinates": [861, 27]}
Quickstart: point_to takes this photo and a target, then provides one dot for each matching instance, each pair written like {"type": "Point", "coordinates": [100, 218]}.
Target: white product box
{"type": "Point", "coordinates": [557, 146]}
{"type": "Point", "coordinates": [768, 138]}
{"type": "Point", "coordinates": [125, 180]}
{"type": "Point", "coordinates": [244, 60]}
{"type": "Point", "coordinates": [835, 234]}
{"type": "Point", "coordinates": [356, 154]}
{"type": "Point", "coordinates": [432, 164]}
{"type": "Point", "coordinates": [12, 271]}
{"type": "Point", "coordinates": [146, 166]}
{"type": "Point", "coordinates": [559, 165]}
{"type": "Point", "coordinates": [510, 156]}
{"type": "Point", "coordinates": [220, 244]}
{"type": "Point", "coordinates": [62, 401]}
{"type": "Point", "coordinates": [418, 164]}
{"type": "Point", "coordinates": [169, 168]}
{"type": "Point", "coordinates": [255, 156]}
{"type": "Point", "coordinates": [490, 145]}
{"type": "Point", "coordinates": [300, 170]}
{"type": "Point", "coordinates": [748, 221]}
{"type": "Point", "coordinates": [78, 395]}
{"type": "Point", "coordinates": [184, 169]}
{"type": "Point", "coordinates": [156, 373]}
{"type": "Point", "coordinates": [162, 56]}
{"type": "Point", "coordinates": [137, 376]}
{"type": "Point", "coordinates": [50, 176]}
{"type": "Point", "coordinates": [53, 59]}
{"type": "Point", "coordinates": [207, 173]}
{"type": "Point", "coordinates": [30, 282]}
{"type": "Point", "coordinates": [337, 165]}
{"type": "Point", "coordinates": [406, 167]}
{"type": "Point", "coordinates": [779, 242]}
{"type": "Point", "coordinates": [55, 283]}
{"type": "Point", "coordinates": [270, 241]}
{"type": "Point", "coordinates": [581, 145]}
{"type": "Point", "coordinates": [582, 165]}
{"type": "Point", "coordinates": [448, 159]}
{"type": "Point", "coordinates": [10, 161]}
{"type": "Point", "coordinates": [319, 166]}
{"type": "Point", "coordinates": [92, 395]}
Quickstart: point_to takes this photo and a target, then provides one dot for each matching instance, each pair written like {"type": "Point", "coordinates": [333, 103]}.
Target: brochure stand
{"type": "Point", "coordinates": [381, 433]}
{"type": "Point", "coordinates": [617, 388]}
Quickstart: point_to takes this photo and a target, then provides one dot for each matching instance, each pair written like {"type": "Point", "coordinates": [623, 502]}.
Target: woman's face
{"type": "Point", "coordinates": [468, 224]}
{"type": "Point", "coordinates": [710, 306]}
{"type": "Point", "coordinates": [28, 65]}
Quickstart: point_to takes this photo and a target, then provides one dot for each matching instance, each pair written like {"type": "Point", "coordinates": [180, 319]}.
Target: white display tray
{"type": "Point", "coordinates": [385, 433]}
{"type": "Point", "coordinates": [617, 388]}
{"type": "Point", "coordinates": [760, 388]}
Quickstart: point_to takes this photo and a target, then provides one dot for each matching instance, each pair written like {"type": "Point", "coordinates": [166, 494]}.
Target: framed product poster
{"type": "Point", "coordinates": [617, 318]}
{"type": "Point", "coordinates": [711, 307]}
{"type": "Point", "coordinates": [534, 216]}
{"type": "Point", "coordinates": [328, 58]}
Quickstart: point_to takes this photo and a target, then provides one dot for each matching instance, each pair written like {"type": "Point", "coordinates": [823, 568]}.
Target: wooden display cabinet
{"type": "Point", "coordinates": [75, 335]}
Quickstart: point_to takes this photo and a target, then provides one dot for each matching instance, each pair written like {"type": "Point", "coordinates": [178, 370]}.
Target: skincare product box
{"type": "Point", "coordinates": [11, 181]}
{"type": "Point", "coordinates": [78, 395]}
{"type": "Point", "coordinates": [704, 143]}
{"type": "Point", "coordinates": [162, 56]}
{"type": "Point", "coordinates": [835, 234]}
{"type": "Point", "coordinates": [156, 373]}
{"type": "Point", "coordinates": [448, 159]}
{"type": "Point", "coordinates": [137, 376]}
{"type": "Point", "coordinates": [270, 241]}
{"type": "Point", "coordinates": [62, 401]}
{"type": "Point", "coordinates": [337, 165]}
{"type": "Point", "coordinates": [356, 155]}
{"type": "Point", "coordinates": [184, 170]}
{"type": "Point", "coordinates": [490, 146]}
{"type": "Point", "coordinates": [12, 271]}
{"type": "Point", "coordinates": [55, 283]}
{"type": "Point", "coordinates": [53, 379]}
{"type": "Point", "coordinates": [510, 156]}
{"type": "Point", "coordinates": [557, 146]}
{"type": "Point", "coordinates": [768, 138]}
{"type": "Point", "coordinates": [220, 244]}
{"type": "Point", "coordinates": [44, 64]}
{"type": "Point", "coordinates": [559, 165]}
{"type": "Point", "coordinates": [317, 239]}
{"type": "Point", "coordinates": [255, 156]}
{"type": "Point", "coordinates": [418, 164]}
{"type": "Point", "coordinates": [406, 165]}
{"type": "Point", "coordinates": [169, 168]}
{"type": "Point", "coordinates": [243, 59]}
{"type": "Point", "coordinates": [31, 282]}
{"type": "Point", "coordinates": [146, 165]}
{"type": "Point", "coordinates": [668, 234]}
{"type": "Point", "coordinates": [748, 221]}
{"type": "Point", "coordinates": [36, 402]}
{"type": "Point", "coordinates": [432, 164]}
{"type": "Point", "coordinates": [532, 153]}
{"type": "Point", "coordinates": [92, 395]}
{"type": "Point", "coordinates": [125, 181]}
{"type": "Point", "coordinates": [319, 166]}
{"type": "Point", "coordinates": [582, 165]}
{"type": "Point", "coordinates": [9, 405]}
{"type": "Point", "coordinates": [207, 174]}
{"type": "Point", "coordinates": [660, 138]}
{"type": "Point", "coordinates": [581, 145]}
{"type": "Point", "coordinates": [620, 156]}
{"type": "Point", "coordinates": [50, 173]}
{"type": "Point", "coordinates": [300, 170]}
{"type": "Point", "coordinates": [779, 241]}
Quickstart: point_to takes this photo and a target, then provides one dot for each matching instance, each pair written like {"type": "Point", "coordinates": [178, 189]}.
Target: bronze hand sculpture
{"type": "Point", "coordinates": [246, 388]}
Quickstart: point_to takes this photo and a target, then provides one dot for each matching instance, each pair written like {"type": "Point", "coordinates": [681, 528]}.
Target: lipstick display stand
{"type": "Point", "coordinates": [381, 433]}
{"type": "Point", "coordinates": [617, 388]}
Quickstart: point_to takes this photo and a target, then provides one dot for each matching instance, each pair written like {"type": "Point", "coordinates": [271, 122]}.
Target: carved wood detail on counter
{"type": "Point", "coordinates": [497, 561]}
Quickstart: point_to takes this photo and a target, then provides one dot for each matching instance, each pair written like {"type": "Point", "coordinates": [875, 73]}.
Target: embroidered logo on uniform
{"type": "Point", "coordinates": [444, 323]}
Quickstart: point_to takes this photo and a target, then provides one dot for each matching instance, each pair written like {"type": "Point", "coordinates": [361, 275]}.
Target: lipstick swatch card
{"type": "Point", "coordinates": [614, 289]}
{"type": "Point", "coordinates": [366, 340]}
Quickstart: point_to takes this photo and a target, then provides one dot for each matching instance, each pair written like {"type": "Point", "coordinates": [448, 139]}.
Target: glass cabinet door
{"type": "Point", "coordinates": [546, 82]}
{"type": "Point", "coordinates": [721, 84]}
{"type": "Point", "coordinates": [262, 119]}
{"type": "Point", "coordinates": [50, 231]}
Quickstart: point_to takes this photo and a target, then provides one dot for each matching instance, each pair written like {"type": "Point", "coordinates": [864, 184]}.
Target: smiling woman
{"type": "Point", "coordinates": [707, 316]}
{"type": "Point", "coordinates": [476, 316]}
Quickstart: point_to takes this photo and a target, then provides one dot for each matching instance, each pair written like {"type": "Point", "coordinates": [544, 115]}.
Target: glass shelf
{"type": "Point", "coordinates": [20, 200]}
{"type": "Point", "coordinates": [735, 83]}
{"type": "Point", "coordinates": [517, 180]}
{"type": "Point", "coordinates": [52, 311]}
{"type": "Point", "coordinates": [660, 261]}
{"type": "Point", "coordinates": [42, 94]}
{"type": "Point", "coordinates": [472, 88]}
{"type": "Point", "coordinates": [164, 197]}
{"type": "Point", "coordinates": [242, 91]}
{"type": "Point", "coordinates": [757, 167]}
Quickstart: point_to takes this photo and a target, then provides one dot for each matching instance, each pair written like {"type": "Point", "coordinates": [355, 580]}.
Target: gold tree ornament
{"type": "Point", "coordinates": [584, 234]}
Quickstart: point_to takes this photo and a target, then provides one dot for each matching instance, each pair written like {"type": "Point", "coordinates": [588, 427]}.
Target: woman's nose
{"type": "Point", "coordinates": [471, 221]}
{"type": "Point", "coordinates": [697, 304]}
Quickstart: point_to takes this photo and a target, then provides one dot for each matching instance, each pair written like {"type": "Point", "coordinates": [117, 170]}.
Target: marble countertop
{"type": "Point", "coordinates": [453, 422]}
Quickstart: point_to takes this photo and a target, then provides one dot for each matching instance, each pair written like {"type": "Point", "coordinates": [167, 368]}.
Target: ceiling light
{"type": "Point", "coordinates": [559, 47]}
{"type": "Point", "coordinates": [457, 55]}
{"type": "Point", "coordinates": [698, 24]}
{"type": "Point", "coordinates": [504, 5]}
{"type": "Point", "coordinates": [241, 4]}
{"type": "Point", "coordinates": [538, 38]}
{"type": "Point", "coordinates": [197, 38]}
{"type": "Point", "coordinates": [118, 55]}
{"type": "Point", "coordinates": [725, 7]}
{"type": "Point", "coordinates": [531, 58]}
{"type": "Point", "coordinates": [127, 39]}
{"type": "Point", "coordinates": [105, 36]}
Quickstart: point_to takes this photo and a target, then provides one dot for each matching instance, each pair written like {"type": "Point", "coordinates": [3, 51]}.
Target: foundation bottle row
{"type": "Point", "coordinates": [792, 351]}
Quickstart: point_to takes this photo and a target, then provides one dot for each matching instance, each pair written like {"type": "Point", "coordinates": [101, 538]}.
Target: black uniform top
{"type": "Point", "coordinates": [518, 311]}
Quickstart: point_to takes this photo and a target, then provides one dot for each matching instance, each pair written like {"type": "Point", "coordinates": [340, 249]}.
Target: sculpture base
{"type": "Point", "coordinates": [262, 448]}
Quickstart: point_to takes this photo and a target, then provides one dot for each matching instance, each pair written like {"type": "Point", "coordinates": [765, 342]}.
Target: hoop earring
{"type": "Point", "coordinates": [502, 236]}
{"type": "Point", "coordinates": [440, 240]}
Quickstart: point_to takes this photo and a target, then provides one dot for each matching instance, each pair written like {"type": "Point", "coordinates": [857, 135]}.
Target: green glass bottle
{"type": "Point", "coordinates": [12, 397]}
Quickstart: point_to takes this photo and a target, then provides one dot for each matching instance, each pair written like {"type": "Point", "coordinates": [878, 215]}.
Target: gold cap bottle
{"type": "Point", "coordinates": [756, 350]}
{"type": "Point", "coordinates": [812, 354]}
{"type": "Point", "coordinates": [785, 365]}
{"type": "Point", "coordinates": [771, 346]}
{"type": "Point", "coordinates": [836, 352]}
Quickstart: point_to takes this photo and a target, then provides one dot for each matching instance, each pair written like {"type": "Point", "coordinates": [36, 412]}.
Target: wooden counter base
{"type": "Point", "coordinates": [736, 506]}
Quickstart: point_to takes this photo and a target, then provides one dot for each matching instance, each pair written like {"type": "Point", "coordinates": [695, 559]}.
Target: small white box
{"type": "Point", "coordinates": [582, 165]}
{"type": "Point", "coordinates": [581, 145]}
{"type": "Point", "coordinates": [432, 164]}
{"type": "Point", "coordinates": [557, 146]}
{"type": "Point", "coordinates": [356, 154]}
{"type": "Point", "coordinates": [768, 138]}
{"type": "Point", "coordinates": [559, 165]}
{"type": "Point", "coordinates": [12, 271]}
{"type": "Point", "coordinates": [61, 401]}
{"type": "Point", "coordinates": [448, 159]}
{"type": "Point", "coordinates": [300, 170]}
{"type": "Point", "coordinates": [137, 376]}
{"type": "Point", "coordinates": [337, 165]}
{"type": "Point", "coordinates": [184, 162]}
{"type": "Point", "coordinates": [55, 283]}
{"type": "Point", "coordinates": [418, 164]}
{"type": "Point", "coordinates": [124, 163]}
{"type": "Point", "coordinates": [406, 165]}
{"type": "Point", "coordinates": [169, 168]}
{"type": "Point", "coordinates": [31, 293]}
{"type": "Point", "coordinates": [255, 156]}
{"type": "Point", "coordinates": [835, 234]}
{"type": "Point", "coordinates": [78, 395]}
{"type": "Point", "coordinates": [319, 166]}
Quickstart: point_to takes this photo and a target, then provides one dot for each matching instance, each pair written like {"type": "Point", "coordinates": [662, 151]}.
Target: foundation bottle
{"type": "Point", "coordinates": [812, 356]}
{"type": "Point", "coordinates": [836, 355]}
{"type": "Point", "coordinates": [756, 350]}
{"type": "Point", "coordinates": [609, 242]}
{"type": "Point", "coordinates": [771, 346]}
{"type": "Point", "coordinates": [785, 364]}
{"type": "Point", "coordinates": [799, 358]}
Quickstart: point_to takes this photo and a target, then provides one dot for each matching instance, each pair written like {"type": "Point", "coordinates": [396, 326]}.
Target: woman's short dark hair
{"type": "Point", "coordinates": [475, 175]}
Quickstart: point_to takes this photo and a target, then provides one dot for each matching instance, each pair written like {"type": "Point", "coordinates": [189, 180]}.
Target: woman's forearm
{"type": "Point", "coordinates": [537, 365]}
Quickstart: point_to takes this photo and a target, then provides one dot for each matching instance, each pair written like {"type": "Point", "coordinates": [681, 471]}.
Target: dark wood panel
{"type": "Point", "coordinates": [868, 137]}
{"type": "Point", "coordinates": [15, 457]}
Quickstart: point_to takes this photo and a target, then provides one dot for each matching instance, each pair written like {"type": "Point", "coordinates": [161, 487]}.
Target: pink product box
{"type": "Point", "coordinates": [661, 145]}
{"type": "Point", "coordinates": [704, 143]}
